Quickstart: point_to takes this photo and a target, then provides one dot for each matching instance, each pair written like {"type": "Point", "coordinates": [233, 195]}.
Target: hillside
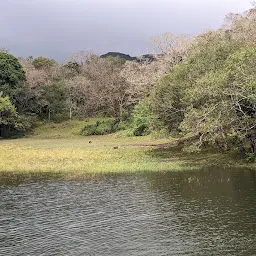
{"type": "Point", "coordinates": [145, 57]}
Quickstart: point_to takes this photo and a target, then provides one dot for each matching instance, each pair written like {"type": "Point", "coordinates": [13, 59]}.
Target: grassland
{"type": "Point", "coordinates": [60, 150]}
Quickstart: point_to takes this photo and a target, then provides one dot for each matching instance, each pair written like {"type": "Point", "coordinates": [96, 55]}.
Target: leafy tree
{"type": "Point", "coordinates": [166, 98]}
{"type": "Point", "coordinates": [12, 79]}
{"type": "Point", "coordinates": [241, 70]}
{"type": "Point", "coordinates": [212, 93]}
{"type": "Point", "coordinates": [55, 96]}
{"type": "Point", "coordinates": [10, 122]}
{"type": "Point", "coordinates": [12, 75]}
{"type": "Point", "coordinates": [143, 118]}
{"type": "Point", "coordinates": [43, 62]}
{"type": "Point", "coordinates": [221, 102]}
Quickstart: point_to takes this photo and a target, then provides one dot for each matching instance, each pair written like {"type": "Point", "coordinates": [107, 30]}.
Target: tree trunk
{"type": "Point", "coordinates": [224, 137]}
{"type": "Point", "coordinates": [120, 112]}
{"type": "Point", "coordinates": [252, 139]}
{"type": "Point", "coordinates": [253, 146]}
{"type": "Point", "coordinates": [70, 113]}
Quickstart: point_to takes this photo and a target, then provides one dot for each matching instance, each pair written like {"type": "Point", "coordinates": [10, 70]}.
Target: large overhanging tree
{"type": "Point", "coordinates": [221, 104]}
{"type": "Point", "coordinates": [212, 94]}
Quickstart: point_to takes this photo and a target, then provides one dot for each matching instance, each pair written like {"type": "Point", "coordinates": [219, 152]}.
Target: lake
{"type": "Point", "coordinates": [211, 212]}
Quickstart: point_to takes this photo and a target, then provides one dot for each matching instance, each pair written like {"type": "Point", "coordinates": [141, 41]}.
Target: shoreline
{"type": "Point", "coordinates": [98, 155]}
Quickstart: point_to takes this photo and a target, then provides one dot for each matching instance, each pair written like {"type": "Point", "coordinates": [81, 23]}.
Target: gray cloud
{"type": "Point", "coordinates": [57, 28]}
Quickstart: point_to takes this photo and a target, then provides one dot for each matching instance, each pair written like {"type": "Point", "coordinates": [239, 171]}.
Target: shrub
{"type": "Point", "coordinates": [142, 118]}
{"type": "Point", "coordinates": [250, 157]}
{"type": "Point", "coordinates": [11, 123]}
{"type": "Point", "coordinates": [101, 128]}
{"type": "Point", "coordinates": [124, 133]}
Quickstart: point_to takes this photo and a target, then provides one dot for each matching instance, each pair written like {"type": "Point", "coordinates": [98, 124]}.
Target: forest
{"type": "Point", "coordinates": [200, 88]}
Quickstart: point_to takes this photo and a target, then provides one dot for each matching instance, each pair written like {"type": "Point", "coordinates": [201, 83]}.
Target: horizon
{"type": "Point", "coordinates": [58, 28]}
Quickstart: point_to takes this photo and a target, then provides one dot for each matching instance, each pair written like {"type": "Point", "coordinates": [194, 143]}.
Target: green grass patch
{"type": "Point", "coordinates": [73, 156]}
{"type": "Point", "coordinates": [102, 154]}
{"type": "Point", "coordinates": [59, 150]}
{"type": "Point", "coordinates": [67, 129]}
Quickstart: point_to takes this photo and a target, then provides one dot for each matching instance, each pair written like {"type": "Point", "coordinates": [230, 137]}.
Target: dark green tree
{"type": "Point", "coordinates": [12, 76]}
{"type": "Point", "coordinates": [55, 96]}
{"type": "Point", "coordinates": [11, 123]}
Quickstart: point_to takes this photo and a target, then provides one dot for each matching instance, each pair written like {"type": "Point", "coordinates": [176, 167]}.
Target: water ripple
{"type": "Point", "coordinates": [150, 214]}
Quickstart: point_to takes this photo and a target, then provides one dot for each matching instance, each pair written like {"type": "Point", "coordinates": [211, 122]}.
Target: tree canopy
{"type": "Point", "coordinates": [11, 71]}
{"type": "Point", "coordinates": [212, 93]}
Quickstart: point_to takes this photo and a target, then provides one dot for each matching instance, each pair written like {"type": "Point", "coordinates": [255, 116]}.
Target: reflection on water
{"type": "Point", "coordinates": [9, 178]}
{"type": "Point", "coordinates": [194, 213]}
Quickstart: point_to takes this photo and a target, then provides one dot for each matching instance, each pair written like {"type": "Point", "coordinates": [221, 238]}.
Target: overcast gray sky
{"type": "Point", "coordinates": [57, 28]}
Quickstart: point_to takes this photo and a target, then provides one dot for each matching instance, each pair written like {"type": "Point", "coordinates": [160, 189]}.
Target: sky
{"type": "Point", "coordinates": [58, 28]}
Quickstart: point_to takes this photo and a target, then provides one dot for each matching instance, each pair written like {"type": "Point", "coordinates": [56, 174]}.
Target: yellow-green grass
{"type": "Point", "coordinates": [59, 149]}
{"type": "Point", "coordinates": [75, 157]}
{"type": "Point", "coordinates": [67, 129]}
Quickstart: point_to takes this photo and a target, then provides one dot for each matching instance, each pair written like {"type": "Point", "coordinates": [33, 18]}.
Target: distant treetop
{"type": "Point", "coordinates": [43, 62]}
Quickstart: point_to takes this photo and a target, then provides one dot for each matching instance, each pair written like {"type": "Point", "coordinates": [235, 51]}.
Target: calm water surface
{"type": "Point", "coordinates": [194, 213]}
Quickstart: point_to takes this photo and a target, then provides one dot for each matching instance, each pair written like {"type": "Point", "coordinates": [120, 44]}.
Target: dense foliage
{"type": "Point", "coordinates": [11, 72]}
{"type": "Point", "coordinates": [212, 93]}
{"type": "Point", "coordinates": [12, 77]}
{"type": "Point", "coordinates": [11, 123]}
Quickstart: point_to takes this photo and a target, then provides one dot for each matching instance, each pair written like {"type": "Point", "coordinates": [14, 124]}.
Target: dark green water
{"type": "Point", "coordinates": [194, 213]}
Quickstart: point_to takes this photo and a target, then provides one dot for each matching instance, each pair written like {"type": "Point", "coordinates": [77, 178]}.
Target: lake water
{"type": "Point", "coordinates": [176, 213]}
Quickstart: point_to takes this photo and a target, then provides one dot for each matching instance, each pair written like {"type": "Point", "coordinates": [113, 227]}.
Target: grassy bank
{"type": "Point", "coordinates": [58, 148]}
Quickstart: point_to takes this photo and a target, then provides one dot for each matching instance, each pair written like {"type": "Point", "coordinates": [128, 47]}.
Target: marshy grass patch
{"type": "Point", "coordinates": [60, 150]}
{"type": "Point", "coordinates": [76, 155]}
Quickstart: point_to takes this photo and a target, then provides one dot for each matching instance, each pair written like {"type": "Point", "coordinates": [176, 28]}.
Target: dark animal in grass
{"type": "Point", "coordinates": [116, 147]}
{"type": "Point", "coordinates": [90, 141]}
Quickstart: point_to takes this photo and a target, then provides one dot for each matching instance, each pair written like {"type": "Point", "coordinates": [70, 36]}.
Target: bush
{"type": "Point", "coordinates": [142, 118]}
{"type": "Point", "coordinates": [60, 117]}
{"type": "Point", "coordinates": [43, 62]}
{"type": "Point", "coordinates": [11, 72]}
{"type": "Point", "coordinates": [124, 133]}
{"type": "Point", "coordinates": [141, 130]}
{"type": "Point", "coordinates": [250, 157]}
{"type": "Point", "coordinates": [101, 128]}
{"type": "Point", "coordinates": [22, 125]}
{"type": "Point", "coordinates": [11, 123]}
